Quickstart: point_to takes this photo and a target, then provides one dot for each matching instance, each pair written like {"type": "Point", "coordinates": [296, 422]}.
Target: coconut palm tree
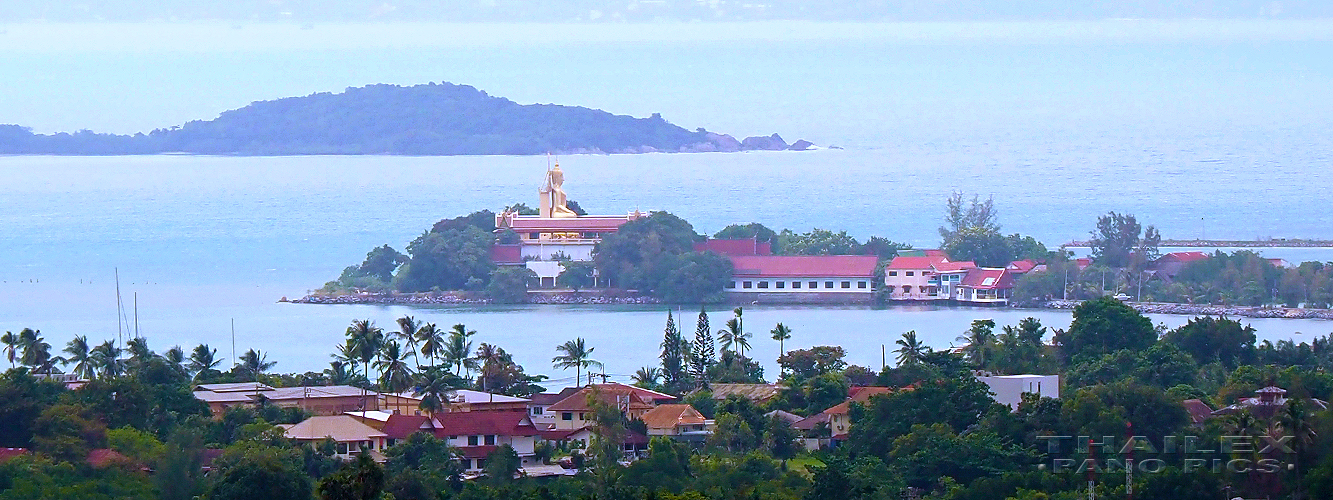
{"type": "Point", "coordinates": [432, 342]}
{"type": "Point", "coordinates": [255, 363]}
{"type": "Point", "coordinates": [203, 358]}
{"type": "Point", "coordinates": [77, 350]}
{"type": "Point", "coordinates": [781, 333]}
{"type": "Point", "coordinates": [367, 339]}
{"type": "Point", "coordinates": [979, 340]}
{"type": "Point", "coordinates": [11, 342]}
{"type": "Point", "coordinates": [577, 355]}
{"type": "Point", "coordinates": [434, 389]}
{"type": "Point", "coordinates": [734, 335]}
{"type": "Point", "coordinates": [910, 351]}
{"type": "Point", "coordinates": [139, 352]}
{"type": "Point", "coordinates": [408, 328]}
{"type": "Point", "coordinates": [106, 359]}
{"type": "Point", "coordinates": [36, 351]}
{"type": "Point", "coordinates": [1296, 421]}
{"type": "Point", "coordinates": [647, 376]}
{"type": "Point", "coordinates": [395, 375]}
{"type": "Point", "coordinates": [338, 373]}
{"type": "Point", "coordinates": [458, 349]}
{"type": "Point", "coordinates": [493, 361]}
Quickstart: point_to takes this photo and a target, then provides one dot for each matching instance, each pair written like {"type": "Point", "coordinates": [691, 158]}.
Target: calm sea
{"type": "Point", "coordinates": [1201, 130]}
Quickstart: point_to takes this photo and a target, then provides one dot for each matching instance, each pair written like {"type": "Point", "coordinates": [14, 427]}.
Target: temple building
{"type": "Point", "coordinates": [556, 233]}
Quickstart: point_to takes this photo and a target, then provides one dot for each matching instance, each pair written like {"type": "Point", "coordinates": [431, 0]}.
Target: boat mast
{"type": "Point", "coordinates": [120, 310]}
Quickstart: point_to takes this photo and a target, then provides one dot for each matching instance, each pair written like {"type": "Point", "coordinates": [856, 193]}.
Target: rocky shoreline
{"type": "Point", "coordinates": [1209, 310]}
{"type": "Point", "coordinates": [472, 298]}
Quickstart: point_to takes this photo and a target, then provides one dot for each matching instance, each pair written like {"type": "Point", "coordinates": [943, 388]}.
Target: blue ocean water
{"type": "Point", "coordinates": [1226, 136]}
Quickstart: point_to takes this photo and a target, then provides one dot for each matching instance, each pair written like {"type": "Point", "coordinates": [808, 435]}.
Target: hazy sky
{"type": "Point", "coordinates": [828, 82]}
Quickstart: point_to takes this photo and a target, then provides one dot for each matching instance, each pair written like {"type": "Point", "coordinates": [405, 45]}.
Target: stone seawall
{"type": "Point", "coordinates": [473, 298]}
{"type": "Point", "coordinates": [1211, 310]}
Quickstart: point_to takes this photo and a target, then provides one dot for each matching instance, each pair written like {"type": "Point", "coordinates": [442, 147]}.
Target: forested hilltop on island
{"type": "Point", "coordinates": [429, 119]}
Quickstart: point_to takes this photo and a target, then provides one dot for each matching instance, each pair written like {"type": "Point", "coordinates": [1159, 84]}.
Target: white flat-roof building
{"type": "Point", "coordinates": [1009, 389]}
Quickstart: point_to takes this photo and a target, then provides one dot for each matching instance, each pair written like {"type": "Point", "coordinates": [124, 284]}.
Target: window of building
{"type": "Point", "coordinates": [731, 284]}
{"type": "Point", "coordinates": [582, 416]}
{"type": "Point", "coordinates": [763, 284]}
{"type": "Point", "coordinates": [860, 284]}
{"type": "Point", "coordinates": [467, 463]}
{"type": "Point", "coordinates": [533, 236]}
{"type": "Point", "coordinates": [481, 463]}
{"type": "Point", "coordinates": [536, 410]}
{"type": "Point", "coordinates": [911, 273]}
{"type": "Point", "coordinates": [846, 284]}
{"type": "Point", "coordinates": [747, 284]}
{"type": "Point", "coordinates": [472, 440]}
{"type": "Point", "coordinates": [893, 273]}
{"type": "Point", "coordinates": [907, 288]}
{"type": "Point", "coordinates": [453, 437]}
{"type": "Point", "coordinates": [795, 284]}
{"type": "Point", "coordinates": [566, 416]}
{"type": "Point", "coordinates": [490, 440]}
{"type": "Point", "coordinates": [814, 284]}
{"type": "Point", "coordinates": [889, 288]}
{"type": "Point", "coordinates": [828, 284]}
{"type": "Point", "coordinates": [781, 284]}
{"type": "Point", "coordinates": [342, 448]}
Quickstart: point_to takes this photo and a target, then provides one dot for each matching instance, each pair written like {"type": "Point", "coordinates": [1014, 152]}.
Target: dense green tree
{"type": "Point", "coordinates": [1119, 241]}
{"type": "Point", "coordinates": [509, 285]}
{"type": "Point", "coordinates": [675, 350]}
{"type": "Point", "coordinates": [363, 479]}
{"type": "Point", "coordinates": [642, 253]}
{"type": "Point", "coordinates": [22, 400]}
{"type": "Point", "coordinates": [695, 277]}
{"type": "Point", "coordinates": [576, 274]}
{"type": "Point", "coordinates": [931, 452]}
{"type": "Point", "coordinates": [751, 230]}
{"type": "Point", "coordinates": [957, 402]}
{"type": "Point", "coordinates": [1103, 410]}
{"type": "Point", "coordinates": [178, 475]}
{"type": "Point", "coordinates": [454, 255]}
{"type": "Point", "coordinates": [986, 248]}
{"type": "Point", "coordinates": [502, 464]}
{"type": "Point", "coordinates": [806, 363]}
{"type": "Point", "coordinates": [817, 242]}
{"type": "Point", "coordinates": [733, 434]}
{"type": "Point", "coordinates": [1210, 339]}
{"type": "Point", "coordinates": [251, 472]}
{"type": "Point", "coordinates": [67, 433]}
{"type": "Point", "coordinates": [376, 272]}
{"type": "Point", "coordinates": [734, 368]}
{"type": "Point", "coordinates": [1102, 326]}
{"type": "Point", "coordinates": [703, 355]}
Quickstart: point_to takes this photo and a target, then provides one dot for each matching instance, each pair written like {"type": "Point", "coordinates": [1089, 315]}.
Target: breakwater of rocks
{"type": "Point", "coordinates": [467, 298]}
{"type": "Point", "coordinates": [1211, 310]}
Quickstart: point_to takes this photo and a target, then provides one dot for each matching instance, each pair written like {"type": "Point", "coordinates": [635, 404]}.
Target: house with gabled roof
{"type": "Point", "coordinates": [478, 433]}
{"type": "Point", "coordinates": [927, 277]}
{"type": "Point", "coordinates": [985, 286]}
{"type": "Point", "coordinates": [350, 434]}
{"type": "Point", "coordinates": [575, 412]}
{"type": "Point", "coordinates": [675, 420]}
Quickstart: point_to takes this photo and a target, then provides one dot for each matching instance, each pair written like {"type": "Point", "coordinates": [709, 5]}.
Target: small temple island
{"type": "Point", "coordinates": [558, 254]}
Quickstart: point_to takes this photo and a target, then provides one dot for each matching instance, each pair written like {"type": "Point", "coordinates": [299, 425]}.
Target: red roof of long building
{"type": "Point", "coordinates": [481, 423]}
{"type": "Point", "coordinates": [812, 266]}
{"type": "Point", "coordinates": [916, 262]}
{"type": "Point", "coordinates": [1183, 257]}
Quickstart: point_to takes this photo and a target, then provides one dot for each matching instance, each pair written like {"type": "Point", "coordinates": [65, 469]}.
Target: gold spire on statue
{"type": "Point", "coordinates": [552, 202]}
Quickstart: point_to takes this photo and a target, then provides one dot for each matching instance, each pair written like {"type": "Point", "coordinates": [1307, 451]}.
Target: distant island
{"type": "Point", "coordinates": [428, 120]}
